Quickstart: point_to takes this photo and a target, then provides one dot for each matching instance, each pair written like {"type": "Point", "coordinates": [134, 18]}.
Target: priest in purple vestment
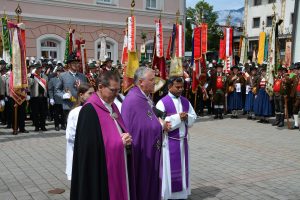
{"type": "Point", "coordinates": [103, 159]}
{"type": "Point", "coordinates": [146, 129]}
{"type": "Point", "coordinates": [175, 152]}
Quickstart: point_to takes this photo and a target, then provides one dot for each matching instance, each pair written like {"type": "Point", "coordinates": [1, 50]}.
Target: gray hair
{"type": "Point", "coordinates": [140, 74]}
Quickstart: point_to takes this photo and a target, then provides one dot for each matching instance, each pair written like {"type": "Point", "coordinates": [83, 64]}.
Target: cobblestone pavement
{"type": "Point", "coordinates": [230, 159]}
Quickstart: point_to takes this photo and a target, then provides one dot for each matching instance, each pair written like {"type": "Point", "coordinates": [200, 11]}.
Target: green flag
{"type": "Point", "coordinates": [6, 36]}
{"type": "Point", "coordinates": [67, 46]}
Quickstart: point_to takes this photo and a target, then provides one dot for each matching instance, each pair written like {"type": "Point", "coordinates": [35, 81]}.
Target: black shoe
{"type": "Point", "coordinates": [63, 128]}
{"type": "Point", "coordinates": [221, 117]}
{"type": "Point", "coordinates": [232, 117]}
{"type": "Point", "coordinates": [36, 129]}
{"type": "Point", "coordinates": [265, 121]}
{"type": "Point", "coordinates": [276, 122]}
{"type": "Point", "coordinates": [57, 128]}
{"type": "Point", "coordinates": [44, 129]}
{"type": "Point", "coordinates": [294, 127]}
{"type": "Point", "coordinates": [24, 131]}
{"type": "Point", "coordinates": [260, 121]}
{"type": "Point", "coordinates": [249, 117]}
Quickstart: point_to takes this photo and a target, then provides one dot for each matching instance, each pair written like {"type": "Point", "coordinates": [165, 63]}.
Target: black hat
{"type": "Point", "coordinates": [219, 65]}
{"type": "Point", "coordinates": [59, 68]}
{"type": "Point", "coordinates": [108, 60]}
{"type": "Point", "coordinates": [234, 67]}
{"type": "Point", "coordinates": [2, 62]}
{"type": "Point", "coordinates": [92, 65]}
{"type": "Point", "coordinates": [37, 65]}
{"type": "Point", "coordinates": [297, 65]}
{"type": "Point", "coordinates": [253, 68]}
{"type": "Point", "coordinates": [72, 58]}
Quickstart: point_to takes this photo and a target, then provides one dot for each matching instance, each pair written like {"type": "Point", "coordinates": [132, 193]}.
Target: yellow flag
{"type": "Point", "coordinates": [133, 64]}
{"type": "Point", "coordinates": [176, 68]}
{"type": "Point", "coordinates": [261, 48]}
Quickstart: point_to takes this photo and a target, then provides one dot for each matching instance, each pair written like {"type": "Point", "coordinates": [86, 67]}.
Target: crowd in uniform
{"type": "Point", "coordinates": [243, 91]}
{"type": "Point", "coordinates": [52, 91]}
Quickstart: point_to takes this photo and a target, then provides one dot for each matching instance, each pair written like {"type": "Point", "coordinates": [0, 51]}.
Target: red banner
{"type": "Point", "coordinates": [204, 38]}
{"type": "Point", "coordinates": [197, 43]}
{"type": "Point", "coordinates": [222, 55]}
{"type": "Point", "coordinates": [168, 56]}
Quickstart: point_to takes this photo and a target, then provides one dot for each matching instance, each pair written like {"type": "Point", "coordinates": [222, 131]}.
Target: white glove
{"type": "Point", "coordinates": [66, 96]}
{"type": "Point", "coordinates": [188, 79]}
{"type": "Point", "coordinates": [52, 102]}
{"type": "Point", "coordinates": [5, 99]}
{"type": "Point", "coordinates": [2, 103]}
{"type": "Point", "coordinates": [27, 98]}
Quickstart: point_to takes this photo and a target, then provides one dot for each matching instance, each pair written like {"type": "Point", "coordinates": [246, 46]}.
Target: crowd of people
{"type": "Point", "coordinates": [135, 145]}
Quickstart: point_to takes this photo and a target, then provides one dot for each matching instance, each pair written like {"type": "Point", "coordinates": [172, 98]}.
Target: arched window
{"type": "Point", "coordinates": [149, 49]}
{"type": "Point", "coordinates": [111, 49]}
{"type": "Point", "coordinates": [51, 45]}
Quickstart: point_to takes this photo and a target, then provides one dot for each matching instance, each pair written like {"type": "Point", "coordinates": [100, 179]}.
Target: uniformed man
{"type": "Point", "coordinates": [107, 65]}
{"type": "Point", "coordinates": [92, 74]}
{"type": "Point", "coordinates": [278, 96]}
{"type": "Point", "coordinates": [217, 88]}
{"type": "Point", "coordinates": [295, 93]}
{"type": "Point", "coordinates": [251, 91]}
{"type": "Point", "coordinates": [69, 81]}
{"type": "Point", "coordinates": [55, 100]}
{"type": "Point", "coordinates": [38, 93]}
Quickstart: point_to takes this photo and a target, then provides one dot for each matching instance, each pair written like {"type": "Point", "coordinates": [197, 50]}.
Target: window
{"type": "Point", "coordinates": [272, 1]}
{"type": "Point", "coordinates": [151, 4]}
{"type": "Point", "coordinates": [109, 50]}
{"type": "Point", "coordinates": [50, 45]}
{"type": "Point", "coordinates": [104, 1]}
{"type": "Point", "coordinates": [257, 2]}
{"type": "Point", "coordinates": [149, 50]}
{"type": "Point", "coordinates": [256, 22]}
{"type": "Point", "coordinates": [292, 18]}
{"type": "Point", "coordinates": [49, 48]}
{"type": "Point", "coordinates": [269, 21]}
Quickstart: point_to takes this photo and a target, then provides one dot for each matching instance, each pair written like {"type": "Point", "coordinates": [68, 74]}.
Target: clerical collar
{"type": "Point", "coordinates": [107, 105]}
{"type": "Point", "coordinates": [173, 96]}
{"type": "Point", "coordinates": [73, 73]}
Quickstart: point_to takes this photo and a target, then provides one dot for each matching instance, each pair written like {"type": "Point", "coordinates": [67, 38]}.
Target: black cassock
{"type": "Point", "coordinates": [89, 172]}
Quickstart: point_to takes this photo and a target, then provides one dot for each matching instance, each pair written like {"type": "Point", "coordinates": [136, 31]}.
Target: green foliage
{"type": "Point", "coordinates": [193, 15]}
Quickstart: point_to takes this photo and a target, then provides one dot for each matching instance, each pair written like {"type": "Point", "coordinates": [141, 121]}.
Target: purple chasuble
{"type": "Point", "coordinates": [114, 148]}
{"type": "Point", "coordinates": [174, 145]}
{"type": "Point", "coordinates": [146, 132]}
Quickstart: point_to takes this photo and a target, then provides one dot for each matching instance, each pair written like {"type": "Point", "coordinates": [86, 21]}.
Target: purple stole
{"type": "Point", "coordinates": [114, 148]}
{"type": "Point", "coordinates": [174, 145]}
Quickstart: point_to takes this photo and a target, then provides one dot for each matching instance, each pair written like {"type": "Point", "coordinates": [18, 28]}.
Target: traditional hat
{"type": "Point", "coordinates": [234, 67]}
{"type": "Point", "coordinates": [2, 62]}
{"type": "Point", "coordinates": [72, 58]}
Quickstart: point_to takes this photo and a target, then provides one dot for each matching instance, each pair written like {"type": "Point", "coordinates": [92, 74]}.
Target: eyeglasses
{"type": "Point", "coordinates": [117, 90]}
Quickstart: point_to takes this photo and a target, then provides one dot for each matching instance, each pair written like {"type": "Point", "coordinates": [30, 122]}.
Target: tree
{"type": "Point", "coordinates": [210, 17]}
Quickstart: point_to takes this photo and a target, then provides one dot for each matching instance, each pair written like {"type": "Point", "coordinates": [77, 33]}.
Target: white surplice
{"type": "Point", "coordinates": [176, 123]}
{"type": "Point", "coordinates": [70, 136]}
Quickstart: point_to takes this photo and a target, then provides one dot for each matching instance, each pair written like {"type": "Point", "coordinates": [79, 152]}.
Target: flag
{"type": "Point", "coordinates": [195, 81]}
{"type": "Point", "coordinates": [271, 63]}
{"type": "Point", "coordinates": [204, 28]}
{"type": "Point", "coordinates": [228, 49]}
{"type": "Point", "coordinates": [266, 49]}
{"type": "Point", "coordinates": [6, 41]}
{"type": "Point", "coordinates": [18, 77]}
{"type": "Point", "coordinates": [244, 50]}
{"type": "Point", "coordinates": [158, 62]}
{"type": "Point", "coordinates": [133, 60]}
{"type": "Point", "coordinates": [67, 50]}
{"type": "Point", "coordinates": [288, 53]}
{"type": "Point", "coordinates": [124, 58]}
{"type": "Point", "coordinates": [176, 68]}
{"type": "Point", "coordinates": [168, 56]}
{"type": "Point", "coordinates": [261, 48]}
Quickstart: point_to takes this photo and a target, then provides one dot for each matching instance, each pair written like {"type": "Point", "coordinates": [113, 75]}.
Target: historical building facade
{"type": "Point", "coordinates": [47, 22]}
{"type": "Point", "coordinates": [258, 17]}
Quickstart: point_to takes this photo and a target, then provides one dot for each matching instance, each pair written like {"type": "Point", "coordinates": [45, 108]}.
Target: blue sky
{"type": "Point", "coordinates": [219, 4]}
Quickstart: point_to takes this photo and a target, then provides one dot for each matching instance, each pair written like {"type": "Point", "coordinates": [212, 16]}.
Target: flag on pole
{"type": "Point", "coordinates": [271, 63]}
{"type": "Point", "coordinates": [176, 68]}
{"type": "Point", "coordinates": [6, 41]}
{"type": "Point", "coordinates": [261, 48]}
{"type": "Point", "coordinates": [18, 78]}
